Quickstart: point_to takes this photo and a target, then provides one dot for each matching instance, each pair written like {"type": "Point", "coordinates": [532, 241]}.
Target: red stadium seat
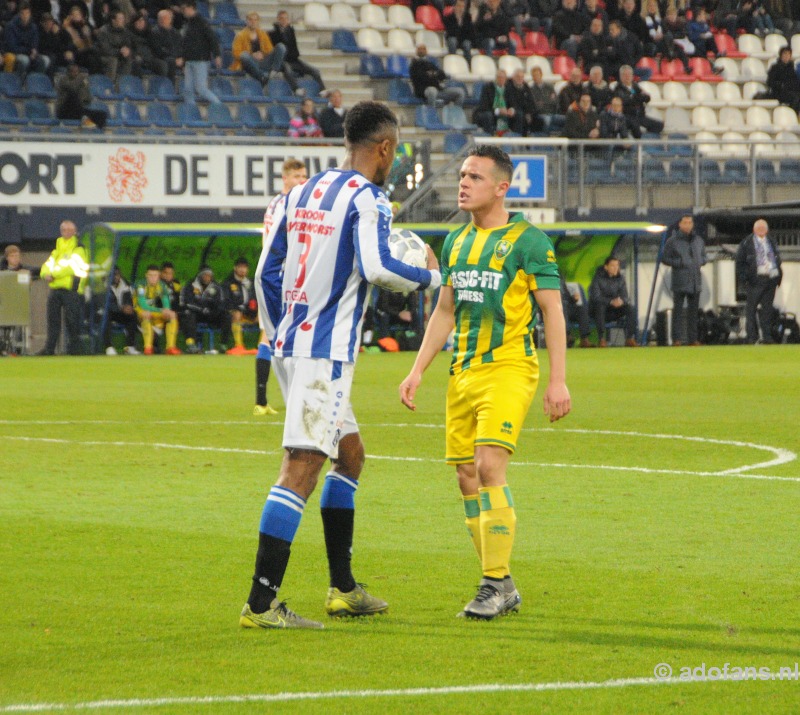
{"type": "Point", "coordinates": [727, 46]}
{"type": "Point", "coordinates": [673, 69]}
{"type": "Point", "coordinates": [538, 42]}
{"type": "Point", "coordinates": [651, 63]}
{"type": "Point", "coordinates": [522, 50]}
{"type": "Point", "coordinates": [429, 16]}
{"type": "Point", "coordinates": [563, 65]}
{"type": "Point", "coordinates": [701, 69]}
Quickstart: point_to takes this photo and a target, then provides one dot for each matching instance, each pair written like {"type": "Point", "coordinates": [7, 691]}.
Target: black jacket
{"type": "Point", "coordinates": [568, 22]}
{"type": "Point", "coordinates": [200, 42]}
{"type": "Point", "coordinates": [462, 32]}
{"type": "Point", "coordinates": [783, 83]}
{"type": "Point", "coordinates": [203, 301]}
{"type": "Point", "coordinates": [167, 44]}
{"type": "Point", "coordinates": [331, 123]}
{"type": "Point", "coordinates": [605, 288]}
{"type": "Point", "coordinates": [634, 99]}
{"type": "Point", "coordinates": [747, 263]}
{"type": "Point", "coordinates": [686, 253]}
{"type": "Point", "coordinates": [241, 295]}
{"type": "Point", "coordinates": [423, 74]}
{"type": "Point", "coordinates": [285, 35]}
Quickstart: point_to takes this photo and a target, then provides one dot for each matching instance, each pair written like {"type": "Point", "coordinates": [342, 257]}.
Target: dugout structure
{"type": "Point", "coordinates": [580, 249]}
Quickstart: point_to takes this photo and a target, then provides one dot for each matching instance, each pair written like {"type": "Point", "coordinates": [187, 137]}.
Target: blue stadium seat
{"type": "Point", "coordinates": [251, 90]}
{"type": "Point", "coordinates": [789, 171]}
{"type": "Point", "coordinates": [278, 90]}
{"type": "Point", "coordinates": [102, 87]}
{"type": "Point", "coordinates": [159, 115]}
{"type": "Point", "coordinates": [9, 114]}
{"type": "Point", "coordinates": [372, 65]}
{"type": "Point", "coordinates": [397, 66]}
{"type": "Point", "coordinates": [428, 118]}
{"type": "Point", "coordinates": [131, 87]}
{"type": "Point", "coordinates": [225, 13]}
{"type": "Point", "coordinates": [220, 116]}
{"type": "Point", "coordinates": [225, 36]}
{"type": "Point", "coordinates": [765, 172]}
{"type": "Point", "coordinates": [624, 171]}
{"type": "Point", "coordinates": [189, 116]}
{"type": "Point", "coordinates": [11, 85]}
{"type": "Point", "coordinates": [39, 113]}
{"type": "Point", "coordinates": [653, 172]}
{"type": "Point", "coordinates": [223, 88]}
{"type": "Point", "coordinates": [202, 9]}
{"type": "Point", "coordinates": [345, 41]}
{"type": "Point", "coordinates": [163, 88]}
{"type": "Point", "coordinates": [676, 147]}
{"type": "Point", "coordinates": [736, 172]}
{"type": "Point", "coordinates": [454, 141]}
{"type": "Point", "coordinates": [128, 115]}
{"type": "Point", "coordinates": [250, 116]}
{"type": "Point", "coordinates": [710, 173]}
{"type": "Point", "coordinates": [311, 88]}
{"type": "Point", "coordinates": [278, 117]}
{"type": "Point", "coordinates": [681, 171]}
{"type": "Point", "coordinates": [401, 92]}
{"type": "Point", "coordinates": [477, 88]}
{"type": "Point", "coordinates": [39, 85]}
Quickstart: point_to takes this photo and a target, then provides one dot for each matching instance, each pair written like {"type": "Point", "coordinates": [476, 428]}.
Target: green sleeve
{"type": "Point", "coordinates": [540, 260]}
{"type": "Point", "coordinates": [444, 259]}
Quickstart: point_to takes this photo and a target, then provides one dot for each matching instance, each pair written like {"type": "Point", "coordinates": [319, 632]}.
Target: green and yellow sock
{"type": "Point", "coordinates": [498, 523]}
{"type": "Point", "coordinates": [238, 339]}
{"type": "Point", "coordinates": [473, 521]}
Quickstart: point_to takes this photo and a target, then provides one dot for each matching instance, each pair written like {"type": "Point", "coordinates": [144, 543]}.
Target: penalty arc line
{"type": "Point", "coordinates": [350, 694]}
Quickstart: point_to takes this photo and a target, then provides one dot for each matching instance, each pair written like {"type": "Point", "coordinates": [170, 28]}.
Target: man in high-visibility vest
{"type": "Point", "coordinates": [65, 271]}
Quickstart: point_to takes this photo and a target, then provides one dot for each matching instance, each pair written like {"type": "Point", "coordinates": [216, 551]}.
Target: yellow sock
{"type": "Point", "coordinates": [236, 329]}
{"type": "Point", "coordinates": [473, 511]}
{"type": "Point", "coordinates": [147, 333]}
{"type": "Point", "coordinates": [497, 527]}
{"type": "Point", "coordinates": [171, 331]}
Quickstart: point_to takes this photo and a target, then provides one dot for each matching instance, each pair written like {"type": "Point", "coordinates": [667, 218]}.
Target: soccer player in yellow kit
{"type": "Point", "coordinates": [154, 310]}
{"type": "Point", "coordinates": [495, 271]}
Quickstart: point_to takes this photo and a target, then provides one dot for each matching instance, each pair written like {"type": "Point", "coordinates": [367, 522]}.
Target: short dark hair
{"type": "Point", "coordinates": [612, 257]}
{"type": "Point", "coordinates": [151, 267]}
{"type": "Point", "coordinates": [501, 160]}
{"type": "Point", "coordinates": [241, 261]}
{"type": "Point", "coordinates": [167, 264]}
{"type": "Point", "coordinates": [367, 120]}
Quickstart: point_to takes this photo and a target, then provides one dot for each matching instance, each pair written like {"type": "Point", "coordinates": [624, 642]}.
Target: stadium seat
{"type": "Point", "coordinates": [278, 116]}
{"type": "Point", "coordinates": [278, 90]}
{"type": "Point", "coordinates": [127, 114]}
{"type": "Point", "coordinates": [202, 10]}
{"type": "Point", "coordinates": [9, 114]}
{"type": "Point", "coordinates": [538, 42]}
{"type": "Point", "coordinates": [345, 41]}
{"type": "Point", "coordinates": [400, 92]}
{"type": "Point", "coordinates": [774, 43]}
{"type": "Point", "coordinates": [400, 16]}
{"type": "Point", "coordinates": [702, 70]}
{"type": "Point", "coordinates": [310, 87]}
{"type": "Point", "coordinates": [729, 93]}
{"type": "Point", "coordinates": [39, 85]}
{"type": "Point", "coordinates": [652, 64]}
{"type": "Point", "coordinates": [225, 13]}
{"type": "Point", "coordinates": [765, 172]}
{"type": "Point", "coordinates": [454, 142]}
{"type": "Point", "coordinates": [705, 119]}
{"type": "Point", "coordinates": [785, 118]}
{"type": "Point", "coordinates": [681, 171]}
{"type": "Point", "coordinates": [371, 41]}
{"type": "Point", "coordinates": [732, 117]}
{"type": "Point", "coordinates": [729, 67]}
{"type": "Point", "coordinates": [11, 85]}
{"type": "Point", "coordinates": [225, 36]}
{"type": "Point", "coordinates": [676, 94]}
{"type": "Point", "coordinates": [220, 116]}
{"type": "Point", "coordinates": [653, 172]}
{"type": "Point", "coordinates": [131, 87]}
{"type": "Point", "coordinates": [429, 16]}
{"type": "Point", "coordinates": [563, 65]}
{"type": "Point", "coordinates": [250, 116]}
{"type": "Point", "coordinates": [673, 69]}
{"type": "Point", "coordinates": [433, 41]}
{"type": "Point", "coordinates": [222, 87]}
{"type": "Point", "coordinates": [735, 171]}
{"type": "Point", "coordinates": [544, 64]}
{"type": "Point", "coordinates": [734, 144]}
{"type": "Point", "coordinates": [509, 64]}
{"type": "Point", "coordinates": [344, 17]}
{"type": "Point", "coordinates": [400, 41]}
{"type": "Point", "coordinates": [703, 93]}
{"type": "Point", "coordinates": [456, 66]}
{"type": "Point", "coordinates": [762, 144]}
{"type": "Point", "coordinates": [727, 47]}
{"type": "Point", "coordinates": [37, 111]}
{"type": "Point", "coordinates": [160, 115]}
{"type": "Point", "coordinates": [795, 45]}
{"type": "Point", "coordinates": [519, 42]}
{"type": "Point", "coordinates": [789, 170]}
{"type": "Point", "coordinates": [189, 116]}
{"type": "Point", "coordinates": [397, 66]}
{"type": "Point", "coordinates": [710, 172]}
{"type": "Point", "coordinates": [759, 118]}
{"type": "Point", "coordinates": [752, 69]}
{"type": "Point", "coordinates": [751, 46]}
{"type": "Point", "coordinates": [317, 17]}
{"type": "Point", "coordinates": [455, 118]}
{"type": "Point", "coordinates": [102, 87]}
{"type": "Point", "coordinates": [163, 88]}
{"type": "Point", "coordinates": [250, 90]}
{"type": "Point", "coordinates": [677, 119]}
{"type": "Point", "coordinates": [374, 16]}
{"type": "Point", "coordinates": [482, 68]}
{"type": "Point", "coordinates": [428, 118]}
{"type": "Point", "coordinates": [751, 89]}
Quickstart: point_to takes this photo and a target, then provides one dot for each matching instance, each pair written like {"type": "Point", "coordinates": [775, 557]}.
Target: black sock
{"type": "Point", "coordinates": [262, 377]}
{"type": "Point", "coordinates": [338, 526]}
{"type": "Point", "coordinates": [271, 561]}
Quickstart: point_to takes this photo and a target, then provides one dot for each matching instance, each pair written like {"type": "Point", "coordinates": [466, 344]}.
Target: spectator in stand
{"type": "Point", "coordinates": [634, 102]}
{"type": "Point", "coordinates": [545, 99]}
{"type": "Point", "coordinates": [783, 83]}
{"type": "Point", "coordinates": [144, 46]}
{"type": "Point", "coordinates": [241, 303]}
{"type": "Point", "coordinates": [54, 43]}
{"type": "Point", "coordinates": [12, 261]}
{"type": "Point", "coordinates": [120, 311]}
{"type": "Point", "coordinates": [459, 30]}
{"type": "Point", "coordinates": [429, 81]}
{"type": "Point", "coordinates": [305, 124]}
{"type": "Point", "coordinates": [569, 24]}
{"type": "Point", "coordinates": [166, 41]}
{"type": "Point", "coordinates": [608, 300]}
{"type": "Point", "coordinates": [199, 44]}
{"type": "Point", "coordinates": [598, 89]}
{"type": "Point", "coordinates": [331, 119]}
{"type": "Point", "coordinates": [674, 27]}
{"type": "Point", "coordinates": [254, 52]}
{"type": "Point", "coordinates": [633, 22]}
{"type": "Point", "coordinates": [592, 9]}
{"type": "Point", "coordinates": [583, 121]}
{"type": "Point", "coordinates": [661, 40]}
{"type": "Point", "coordinates": [520, 13]}
{"type": "Point", "coordinates": [21, 44]}
{"type": "Point", "coordinates": [699, 33]}
{"type": "Point", "coordinates": [492, 26]}
{"type": "Point", "coordinates": [293, 67]}
{"type": "Point", "coordinates": [173, 286]}
{"type": "Point", "coordinates": [571, 91]}
{"type": "Point", "coordinates": [728, 16]}
{"type": "Point", "coordinates": [755, 17]}
{"type": "Point", "coordinates": [614, 125]}
{"type": "Point", "coordinates": [625, 48]}
{"type": "Point", "coordinates": [575, 311]}
{"type": "Point", "coordinates": [685, 252]}
{"type": "Point", "coordinates": [544, 11]}
{"type": "Point", "coordinates": [203, 301]}
{"type": "Point", "coordinates": [115, 43]}
{"type": "Point", "coordinates": [74, 99]}
{"type": "Point", "coordinates": [492, 114]}
{"type": "Point", "coordinates": [82, 46]}
{"type": "Point", "coordinates": [594, 46]}
{"type": "Point", "coordinates": [519, 96]}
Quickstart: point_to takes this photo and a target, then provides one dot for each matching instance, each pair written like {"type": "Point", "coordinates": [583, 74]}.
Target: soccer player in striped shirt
{"type": "Point", "coordinates": [331, 235]}
{"type": "Point", "coordinates": [292, 174]}
{"type": "Point", "coordinates": [495, 270]}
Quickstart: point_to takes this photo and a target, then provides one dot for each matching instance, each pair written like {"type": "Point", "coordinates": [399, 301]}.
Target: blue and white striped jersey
{"type": "Point", "coordinates": [331, 238]}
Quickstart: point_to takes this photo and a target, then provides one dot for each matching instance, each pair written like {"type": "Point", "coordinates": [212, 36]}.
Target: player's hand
{"type": "Point", "coordinates": [408, 388]}
{"type": "Point", "coordinates": [557, 402]}
{"type": "Point", "coordinates": [433, 262]}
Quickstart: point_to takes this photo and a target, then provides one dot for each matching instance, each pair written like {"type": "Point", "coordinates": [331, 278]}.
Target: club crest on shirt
{"type": "Point", "coordinates": [551, 257]}
{"type": "Point", "coordinates": [502, 249]}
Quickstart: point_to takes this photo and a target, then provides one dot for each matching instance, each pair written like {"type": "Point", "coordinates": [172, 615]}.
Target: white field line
{"type": "Point", "coordinates": [353, 694]}
{"type": "Point", "coordinates": [781, 455]}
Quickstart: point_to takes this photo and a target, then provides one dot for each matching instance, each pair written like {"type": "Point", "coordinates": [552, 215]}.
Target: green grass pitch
{"type": "Point", "coordinates": [131, 490]}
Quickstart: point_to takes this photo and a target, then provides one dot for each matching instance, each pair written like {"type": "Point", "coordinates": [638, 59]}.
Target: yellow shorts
{"type": "Point", "coordinates": [487, 404]}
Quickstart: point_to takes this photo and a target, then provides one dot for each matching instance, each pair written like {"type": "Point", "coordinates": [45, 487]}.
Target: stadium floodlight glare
{"type": "Point", "coordinates": [655, 228]}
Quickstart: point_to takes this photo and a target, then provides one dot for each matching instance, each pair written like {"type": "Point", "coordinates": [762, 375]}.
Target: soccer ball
{"type": "Point", "coordinates": [409, 248]}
